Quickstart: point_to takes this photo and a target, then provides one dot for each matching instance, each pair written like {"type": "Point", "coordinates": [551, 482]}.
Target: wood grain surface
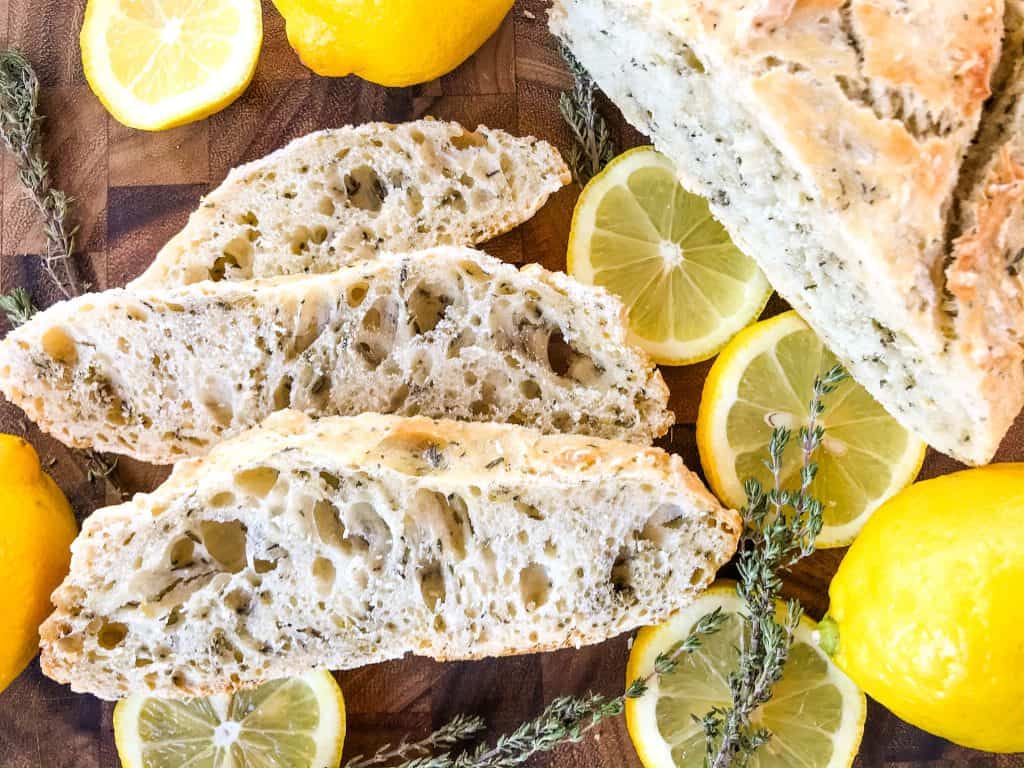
{"type": "Point", "coordinates": [134, 190]}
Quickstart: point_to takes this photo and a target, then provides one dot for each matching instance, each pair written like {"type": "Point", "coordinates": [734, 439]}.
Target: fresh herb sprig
{"type": "Point", "coordinates": [460, 729]}
{"type": "Point", "coordinates": [566, 720]}
{"type": "Point", "coordinates": [592, 147]}
{"type": "Point", "coordinates": [21, 131]}
{"type": "Point", "coordinates": [17, 307]}
{"type": "Point", "coordinates": [779, 529]}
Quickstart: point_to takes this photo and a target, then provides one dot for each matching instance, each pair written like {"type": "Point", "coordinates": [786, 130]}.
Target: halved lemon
{"type": "Point", "coordinates": [816, 714]}
{"type": "Point", "coordinates": [638, 233]}
{"type": "Point", "coordinates": [763, 379]}
{"type": "Point", "coordinates": [156, 64]}
{"type": "Point", "coordinates": [294, 723]}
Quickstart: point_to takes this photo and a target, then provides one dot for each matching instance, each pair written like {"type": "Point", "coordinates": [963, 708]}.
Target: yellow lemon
{"type": "Point", "coordinates": [764, 378]}
{"type": "Point", "coordinates": [297, 722]}
{"type": "Point", "coordinates": [162, 63]}
{"type": "Point", "coordinates": [36, 531]}
{"type": "Point", "coordinates": [390, 42]}
{"type": "Point", "coordinates": [816, 715]}
{"type": "Point", "coordinates": [639, 234]}
{"type": "Point", "coordinates": [926, 610]}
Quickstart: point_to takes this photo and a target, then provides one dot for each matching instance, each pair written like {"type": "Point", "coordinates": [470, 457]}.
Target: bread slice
{"type": "Point", "coordinates": [852, 149]}
{"type": "Point", "coordinates": [341, 542]}
{"type": "Point", "coordinates": [161, 374]}
{"type": "Point", "coordinates": [337, 196]}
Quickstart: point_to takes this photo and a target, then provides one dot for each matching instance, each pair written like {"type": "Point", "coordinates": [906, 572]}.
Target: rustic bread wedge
{"type": "Point", "coordinates": [868, 154]}
{"type": "Point", "coordinates": [161, 374]}
{"type": "Point", "coordinates": [337, 196]}
{"type": "Point", "coordinates": [335, 543]}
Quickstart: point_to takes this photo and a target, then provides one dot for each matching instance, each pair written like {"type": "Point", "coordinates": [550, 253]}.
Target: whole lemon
{"type": "Point", "coordinates": [36, 531]}
{"type": "Point", "coordinates": [927, 607]}
{"type": "Point", "coordinates": [390, 42]}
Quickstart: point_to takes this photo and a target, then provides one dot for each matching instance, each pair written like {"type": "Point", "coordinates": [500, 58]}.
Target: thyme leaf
{"type": "Point", "coordinates": [592, 147]}
{"type": "Point", "coordinates": [22, 134]}
{"type": "Point", "coordinates": [17, 307]}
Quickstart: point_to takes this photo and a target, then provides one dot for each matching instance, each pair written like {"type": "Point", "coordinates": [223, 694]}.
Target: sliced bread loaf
{"type": "Point", "coordinates": [161, 374]}
{"type": "Point", "coordinates": [335, 543]}
{"type": "Point", "coordinates": [337, 196]}
{"type": "Point", "coordinates": [868, 155]}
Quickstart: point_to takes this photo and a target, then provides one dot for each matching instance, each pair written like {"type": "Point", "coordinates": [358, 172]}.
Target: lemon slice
{"type": "Point", "coordinates": [161, 63]}
{"type": "Point", "coordinates": [638, 233]}
{"type": "Point", "coordinates": [293, 723]}
{"type": "Point", "coordinates": [816, 714]}
{"type": "Point", "coordinates": [765, 378]}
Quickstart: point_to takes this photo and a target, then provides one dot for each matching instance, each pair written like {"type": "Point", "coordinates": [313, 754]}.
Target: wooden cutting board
{"type": "Point", "coordinates": [134, 190]}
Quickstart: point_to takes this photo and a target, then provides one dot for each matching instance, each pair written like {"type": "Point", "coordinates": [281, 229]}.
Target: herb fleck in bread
{"type": "Point", "coordinates": [851, 147]}
{"type": "Point", "coordinates": [341, 542]}
{"type": "Point", "coordinates": [337, 196]}
{"type": "Point", "coordinates": [161, 374]}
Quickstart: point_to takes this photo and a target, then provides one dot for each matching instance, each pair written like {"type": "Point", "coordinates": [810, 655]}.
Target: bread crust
{"type": "Point", "coordinates": [555, 541]}
{"type": "Point", "coordinates": [862, 157]}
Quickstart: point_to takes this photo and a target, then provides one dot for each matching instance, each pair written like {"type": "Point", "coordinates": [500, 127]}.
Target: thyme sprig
{"type": "Point", "coordinates": [566, 720]}
{"type": "Point", "coordinates": [459, 729]}
{"type": "Point", "coordinates": [593, 147]}
{"type": "Point", "coordinates": [17, 307]}
{"type": "Point", "coordinates": [21, 131]}
{"type": "Point", "coordinates": [779, 529]}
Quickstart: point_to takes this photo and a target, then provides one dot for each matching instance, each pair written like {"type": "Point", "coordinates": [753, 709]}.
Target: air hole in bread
{"type": "Point", "coordinates": [238, 601]}
{"type": "Point", "coordinates": [621, 577]}
{"type": "Point", "coordinates": [467, 139]}
{"type": "Point", "coordinates": [111, 635]}
{"type": "Point", "coordinates": [365, 189]}
{"type": "Point", "coordinates": [413, 201]}
{"type": "Point", "coordinates": [530, 389]}
{"type": "Point", "coordinates": [221, 499]}
{"type": "Point", "coordinates": [442, 518]}
{"type": "Point", "coordinates": [369, 531]}
{"type": "Point", "coordinates": [181, 552]}
{"type": "Point", "coordinates": [660, 525]}
{"type": "Point", "coordinates": [59, 345]}
{"type": "Point", "coordinates": [263, 566]}
{"type": "Point", "coordinates": [427, 307]}
{"type": "Point", "coordinates": [454, 198]}
{"type": "Point", "coordinates": [319, 234]}
{"type": "Point", "coordinates": [697, 576]}
{"type": "Point", "coordinates": [432, 586]}
{"type": "Point", "coordinates": [529, 510]}
{"type": "Point", "coordinates": [329, 527]}
{"type": "Point", "coordinates": [560, 354]}
{"type": "Point", "coordinates": [283, 393]}
{"type": "Point", "coordinates": [325, 205]}
{"type": "Point", "coordinates": [398, 398]}
{"type": "Point", "coordinates": [534, 586]}
{"type": "Point", "coordinates": [298, 241]}
{"type": "Point", "coordinates": [226, 543]}
{"type": "Point", "coordinates": [356, 293]}
{"type": "Point", "coordinates": [377, 332]}
{"type": "Point", "coordinates": [256, 481]}
{"type": "Point", "coordinates": [323, 575]}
